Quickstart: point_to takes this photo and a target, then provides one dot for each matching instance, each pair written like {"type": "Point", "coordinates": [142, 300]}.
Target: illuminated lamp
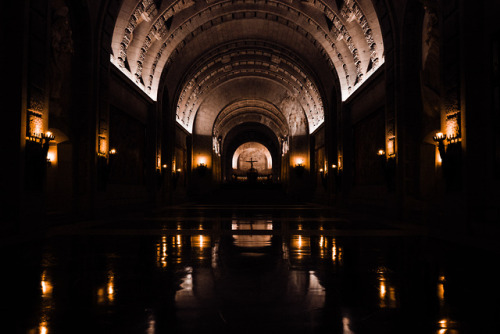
{"type": "Point", "coordinates": [202, 162]}
{"type": "Point", "coordinates": [381, 152]}
{"type": "Point", "coordinates": [299, 162]}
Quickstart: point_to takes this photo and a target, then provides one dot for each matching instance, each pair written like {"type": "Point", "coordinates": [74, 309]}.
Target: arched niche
{"type": "Point", "coordinates": [246, 133]}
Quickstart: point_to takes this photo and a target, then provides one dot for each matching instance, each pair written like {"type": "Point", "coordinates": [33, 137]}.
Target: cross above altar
{"type": "Point", "coordinates": [251, 161]}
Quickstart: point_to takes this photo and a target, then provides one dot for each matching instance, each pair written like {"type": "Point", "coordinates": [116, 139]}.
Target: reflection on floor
{"type": "Point", "coordinates": [246, 269]}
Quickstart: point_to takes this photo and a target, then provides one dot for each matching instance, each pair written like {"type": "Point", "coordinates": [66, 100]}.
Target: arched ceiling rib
{"type": "Point", "coordinates": [256, 91]}
{"type": "Point", "coordinates": [149, 34]}
{"type": "Point", "coordinates": [249, 58]}
{"type": "Point", "coordinates": [253, 111]}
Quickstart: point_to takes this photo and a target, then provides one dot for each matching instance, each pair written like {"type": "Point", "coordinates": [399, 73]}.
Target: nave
{"type": "Point", "coordinates": [247, 267]}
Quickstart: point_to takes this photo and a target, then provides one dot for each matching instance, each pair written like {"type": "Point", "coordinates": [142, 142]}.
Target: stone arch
{"type": "Point", "coordinates": [250, 132]}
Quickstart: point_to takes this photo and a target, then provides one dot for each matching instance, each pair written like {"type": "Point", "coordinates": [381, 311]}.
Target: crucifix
{"type": "Point", "coordinates": [251, 161]}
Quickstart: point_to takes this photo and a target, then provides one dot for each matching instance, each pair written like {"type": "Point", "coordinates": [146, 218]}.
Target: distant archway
{"type": "Point", "coordinates": [257, 153]}
{"type": "Point", "coordinates": [250, 138]}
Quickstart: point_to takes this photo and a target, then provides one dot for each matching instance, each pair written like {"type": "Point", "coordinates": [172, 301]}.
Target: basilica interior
{"type": "Point", "coordinates": [293, 112]}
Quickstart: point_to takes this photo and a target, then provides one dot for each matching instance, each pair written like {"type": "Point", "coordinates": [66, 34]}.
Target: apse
{"type": "Point", "coordinates": [252, 154]}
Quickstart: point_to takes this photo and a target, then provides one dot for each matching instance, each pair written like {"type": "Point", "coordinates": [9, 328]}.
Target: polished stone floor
{"type": "Point", "coordinates": [246, 268]}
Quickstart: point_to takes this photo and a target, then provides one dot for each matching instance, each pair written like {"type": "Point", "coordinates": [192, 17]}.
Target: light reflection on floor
{"type": "Point", "coordinates": [248, 275]}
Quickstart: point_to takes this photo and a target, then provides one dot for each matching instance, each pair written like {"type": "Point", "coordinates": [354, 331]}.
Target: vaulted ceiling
{"type": "Point", "coordinates": [213, 55]}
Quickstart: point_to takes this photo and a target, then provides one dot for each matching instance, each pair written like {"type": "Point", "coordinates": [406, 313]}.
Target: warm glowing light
{"type": "Point", "coordinates": [321, 170]}
{"type": "Point", "coordinates": [51, 156]}
{"type": "Point", "coordinates": [43, 328]}
{"type": "Point", "coordinates": [381, 152]}
{"type": "Point", "coordinates": [443, 326]}
{"type": "Point", "coordinates": [439, 136]}
{"type": "Point", "coordinates": [112, 151]}
{"type": "Point", "coordinates": [199, 241]}
{"type": "Point", "coordinates": [334, 166]}
{"type": "Point", "coordinates": [346, 324]}
{"type": "Point", "coordinates": [179, 170]}
{"type": "Point", "coordinates": [438, 158]}
{"type": "Point", "coordinates": [49, 134]}
{"type": "Point", "coordinates": [202, 161]}
{"type": "Point", "coordinates": [440, 289]}
{"type": "Point", "coordinates": [300, 246]}
{"type": "Point", "coordinates": [161, 252]}
{"type": "Point", "coordinates": [103, 146]}
{"type": "Point", "coordinates": [46, 285]}
{"type": "Point", "coordinates": [382, 289]}
{"type": "Point", "coordinates": [107, 293]}
{"type": "Point", "coordinates": [35, 124]}
{"type": "Point", "coordinates": [164, 166]}
{"type": "Point", "coordinates": [100, 295]}
{"type": "Point", "coordinates": [390, 146]}
{"type": "Point", "coordinates": [111, 287]}
{"type": "Point", "coordinates": [387, 292]}
{"type": "Point", "coordinates": [299, 162]}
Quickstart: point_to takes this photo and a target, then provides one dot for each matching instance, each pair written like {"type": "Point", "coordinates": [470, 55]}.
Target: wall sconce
{"type": "Point", "coordinates": [112, 151]}
{"type": "Point", "coordinates": [388, 165]}
{"type": "Point", "coordinates": [439, 138]}
{"type": "Point", "coordinates": [324, 177]}
{"type": "Point", "coordinates": [47, 137]}
{"type": "Point", "coordinates": [451, 156]}
{"type": "Point", "coordinates": [202, 162]}
{"type": "Point", "coordinates": [50, 159]}
{"type": "Point", "coordinates": [202, 166]}
{"type": "Point", "coordinates": [299, 167]}
{"type": "Point", "coordinates": [299, 162]}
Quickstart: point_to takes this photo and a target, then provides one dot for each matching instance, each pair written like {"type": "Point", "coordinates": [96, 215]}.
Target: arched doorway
{"type": "Point", "coordinates": [251, 141]}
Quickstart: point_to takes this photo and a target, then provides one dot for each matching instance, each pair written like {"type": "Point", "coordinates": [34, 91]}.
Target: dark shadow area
{"type": "Point", "coordinates": [246, 193]}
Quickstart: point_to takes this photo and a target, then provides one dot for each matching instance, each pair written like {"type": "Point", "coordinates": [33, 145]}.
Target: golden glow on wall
{"type": "Point", "coordinates": [299, 161]}
{"type": "Point", "coordinates": [391, 146]}
{"type": "Point", "coordinates": [440, 289]}
{"type": "Point", "coordinates": [35, 124]}
{"type": "Point", "coordinates": [46, 285]}
{"type": "Point", "coordinates": [453, 125]}
{"type": "Point", "coordinates": [202, 161]}
{"type": "Point", "coordinates": [103, 146]}
{"type": "Point", "coordinates": [52, 154]}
